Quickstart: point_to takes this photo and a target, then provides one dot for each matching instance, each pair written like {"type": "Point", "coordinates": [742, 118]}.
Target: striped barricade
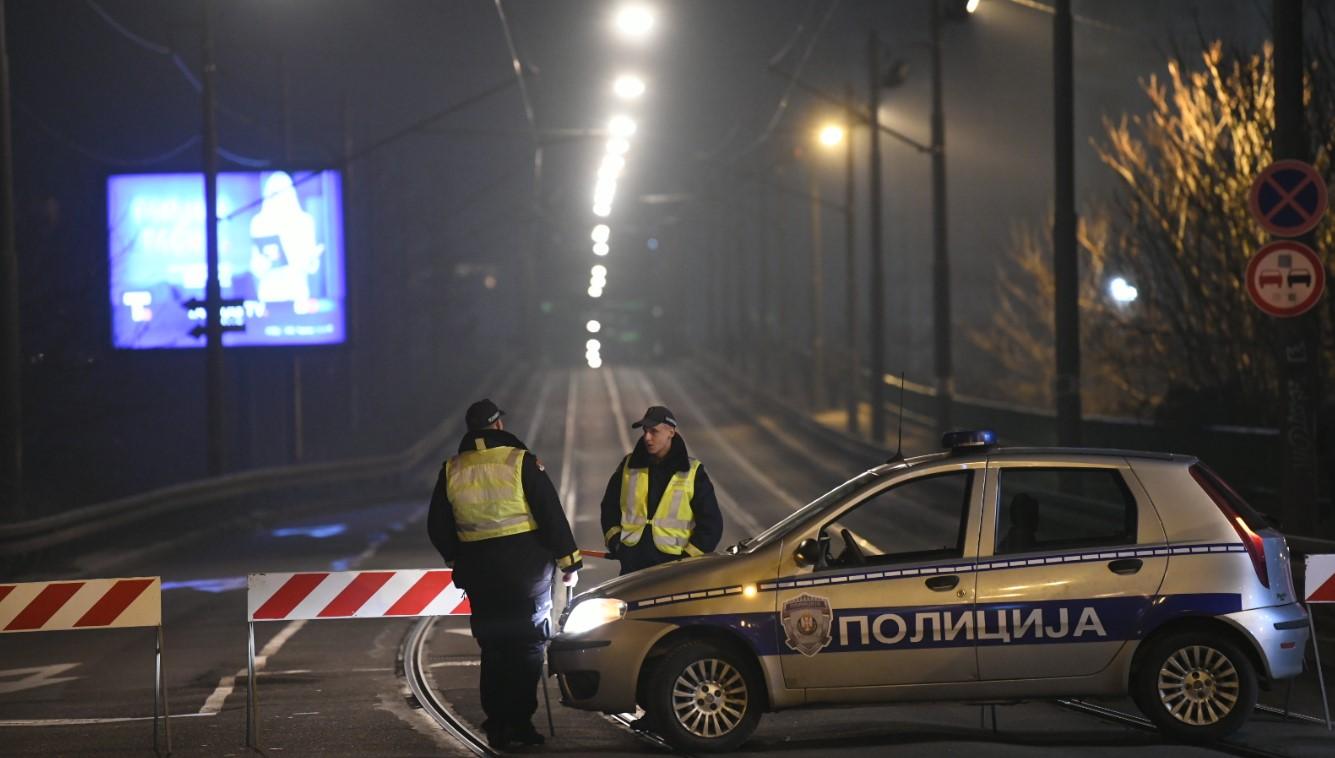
{"type": "Point", "coordinates": [391, 593]}
{"type": "Point", "coordinates": [92, 604]}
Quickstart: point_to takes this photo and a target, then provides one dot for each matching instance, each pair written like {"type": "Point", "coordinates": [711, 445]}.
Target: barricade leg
{"type": "Point", "coordinates": [160, 696]}
{"type": "Point", "coordinates": [1320, 675]}
{"type": "Point", "coordinates": [252, 705]}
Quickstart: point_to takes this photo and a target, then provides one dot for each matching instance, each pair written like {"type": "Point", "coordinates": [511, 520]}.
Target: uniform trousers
{"type": "Point", "coordinates": [509, 591]}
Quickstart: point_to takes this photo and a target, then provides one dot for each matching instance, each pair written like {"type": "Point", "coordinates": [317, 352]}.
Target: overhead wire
{"type": "Point", "coordinates": [782, 106]}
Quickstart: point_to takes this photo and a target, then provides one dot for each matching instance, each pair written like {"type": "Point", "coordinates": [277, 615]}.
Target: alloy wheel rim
{"type": "Point", "coordinates": [709, 698]}
{"type": "Point", "coordinates": [1199, 685]}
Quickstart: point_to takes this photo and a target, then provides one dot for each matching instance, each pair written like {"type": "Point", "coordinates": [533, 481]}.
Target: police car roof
{"type": "Point", "coordinates": [980, 453]}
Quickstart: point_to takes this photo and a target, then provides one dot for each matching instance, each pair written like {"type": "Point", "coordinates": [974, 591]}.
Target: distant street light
{"type": "Point", "coordinates": [602, 210]}
{"type": "Point", "coordinates": [611, 167]}
{"type": "Point", "coordinates": [621, 126]}
{"type": "Point", "coordinates": [593, 327]}
{"type": "Point", "coordinates": [617, 146]}
{"type": "Point", "coordinates": [601, 233]}
{"type": "Point", "coordinates": [971, 6]}
{"type": "Point", "coordinates": [831, 135]}
{"type": "Point", "coordinates": [599, 271]}
{"type": "Point", "coordinates": [635, 21]}
{"type": "Point", "coordinates": [595, 292]}
{"type": "Point", "coordinates": [628, 86]}
{"type": "Point", "coordinates": [1121, 292]}
{"type": "Point", "coordinates": [601, 248]}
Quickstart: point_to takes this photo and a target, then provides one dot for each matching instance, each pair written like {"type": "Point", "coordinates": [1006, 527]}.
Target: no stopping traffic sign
{"type": "Point", "coordinates": [1288, 198]}
{"type": "Point", "coordinates": [1285, 278]}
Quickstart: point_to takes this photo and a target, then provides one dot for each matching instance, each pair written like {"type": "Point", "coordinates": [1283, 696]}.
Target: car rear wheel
{"type": "Point", "coordinates": [1195, 686]}
{"type": "Point", "coordinates": [705, 697]}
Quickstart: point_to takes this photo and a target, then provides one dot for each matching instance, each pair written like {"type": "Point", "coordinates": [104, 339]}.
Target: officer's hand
{"type": "Point", "coordinates": [570, 578]}
{"type": "Point", "coordinates": [614, 546]}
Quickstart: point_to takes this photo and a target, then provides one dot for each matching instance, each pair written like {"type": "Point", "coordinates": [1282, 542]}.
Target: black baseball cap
{"type": "Point", "coordinates": [482, 414]}
{"type": "Point", "coordinates": [657, 414]}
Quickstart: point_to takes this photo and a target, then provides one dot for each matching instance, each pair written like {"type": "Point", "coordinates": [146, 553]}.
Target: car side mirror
{"type": "Point", "coordinates": [807, 553]}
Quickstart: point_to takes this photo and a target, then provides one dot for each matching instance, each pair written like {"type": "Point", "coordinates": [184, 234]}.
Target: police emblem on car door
{"type": "Point", "coordinates": [807, 623]}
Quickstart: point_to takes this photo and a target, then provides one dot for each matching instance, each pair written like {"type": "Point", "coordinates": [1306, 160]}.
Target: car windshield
{"type": "Point", "coordinates": [815, 506]}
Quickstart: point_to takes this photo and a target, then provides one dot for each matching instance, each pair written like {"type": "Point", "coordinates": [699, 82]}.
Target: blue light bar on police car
{"type": "Point", "coordinates": [968, 438]}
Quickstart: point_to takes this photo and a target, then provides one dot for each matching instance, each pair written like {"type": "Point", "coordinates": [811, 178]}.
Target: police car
{"type": "Point", "coordinates": [978, 573]}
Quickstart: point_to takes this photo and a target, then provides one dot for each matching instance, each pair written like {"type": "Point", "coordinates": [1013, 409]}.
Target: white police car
{"type": "Point", "coordinates": [980, 573]}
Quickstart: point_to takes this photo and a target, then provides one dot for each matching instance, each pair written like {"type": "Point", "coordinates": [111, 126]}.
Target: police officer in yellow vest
{"type": "Point", "coordinates": [659, 505]}
{"type": "Point", "coordinates": [497, 518]}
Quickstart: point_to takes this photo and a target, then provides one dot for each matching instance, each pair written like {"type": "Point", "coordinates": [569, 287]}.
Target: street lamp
{"type": "Point", "coordinates": [634, 22]}
{"type": "Point", "coordinates": [628, 87]}
{"type": "Point", "coordinates": [831, 135]}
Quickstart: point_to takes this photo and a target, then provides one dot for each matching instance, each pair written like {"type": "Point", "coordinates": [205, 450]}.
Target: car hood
{"type": "Point", "coordinates": [691, 574]}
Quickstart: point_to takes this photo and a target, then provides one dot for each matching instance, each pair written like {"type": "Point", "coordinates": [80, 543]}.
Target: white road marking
{"type": "Point", "coordinates": [441, 664]}
{"type": "Point", "coordinates": [536, 423]}
{"type": "Point", "coordinates": [750, 526]}
{"type": "Point", "coordinates": [617, 412]}
{"type": "Point", "coordinates": [85, 722]}
{"type": "Point", "coordinates": [227, 684]}
{"type": "Point", "coordinates": [34, 676]}
{"type": "Point", "coordinates": [567, 489]}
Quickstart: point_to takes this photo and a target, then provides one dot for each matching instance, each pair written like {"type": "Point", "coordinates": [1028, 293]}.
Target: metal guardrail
{"type": "Point", "coordinates": [25, 537]}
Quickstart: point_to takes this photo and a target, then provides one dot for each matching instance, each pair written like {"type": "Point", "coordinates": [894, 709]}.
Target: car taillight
{"type": "Point", "coordinates": [1252, 541]}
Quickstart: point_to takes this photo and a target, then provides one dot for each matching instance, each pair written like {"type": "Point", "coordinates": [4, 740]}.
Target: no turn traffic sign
{"type": "Point", "coordinates": [1288, 198]}
{"type": "Point", "coordinates": [1285, 278]}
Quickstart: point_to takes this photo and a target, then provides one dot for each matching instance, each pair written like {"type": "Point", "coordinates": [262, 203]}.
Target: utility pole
{"type": "Point", "coordinates": [945, 378]}
{"type": "Point", "coordinates": [212, 289]}
{"type": "Point", "coordinates": [1299, 336]}
{"type": "Point", "coordinates": [877, 331]}
{"type": "Point", "coordinates": [11, 347]}
{"type": "Point", "coordinates": [850, 269]}
{"type": "Point", "coordinates": [817, 300]}
{"type": "Point", "coordinates": [1065, 263]}
{"type": "Point", "coordinates": [298, 422]}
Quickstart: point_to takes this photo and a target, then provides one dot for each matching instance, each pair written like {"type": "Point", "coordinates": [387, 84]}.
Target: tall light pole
{"type": "Point", "coordinates": [850, 270]}
{"type": "Point", "coordinates": [1065, 265]}
{"type": "Point", "coordinates": [945, 380]}
{"type": "Point", "coordinates": [212, 290]}
{"type": "Point", "coordinates": [11, 353]}
{"type": "Point", "coordinates": [877, 272]}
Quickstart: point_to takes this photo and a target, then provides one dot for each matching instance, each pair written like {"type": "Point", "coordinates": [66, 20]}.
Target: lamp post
{"type": "Point", "coordinates": [877, 283]}
{"type": "Point", "coordinates": [832, 136]}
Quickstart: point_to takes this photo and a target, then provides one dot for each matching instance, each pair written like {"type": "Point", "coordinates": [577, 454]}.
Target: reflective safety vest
{"type": "Point", "coordinates": [673, 520]}
{"type": "Point", "coordinates": [486, 489]}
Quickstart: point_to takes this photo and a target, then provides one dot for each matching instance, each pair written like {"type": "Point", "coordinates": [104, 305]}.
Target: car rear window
{"type": "Point", "coordinates": [1055, 508]}
{"type": "Point", "coordinates": [1254, 518]}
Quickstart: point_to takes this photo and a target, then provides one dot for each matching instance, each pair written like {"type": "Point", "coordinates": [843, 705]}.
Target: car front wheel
{"type": "Point", "coordinates": [705, 697]}
{"type": "Point", "coordinates": [1196, 687]}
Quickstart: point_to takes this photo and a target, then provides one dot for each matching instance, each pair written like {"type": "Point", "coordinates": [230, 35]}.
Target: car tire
{"type": "Point", "coordinates": [704, 697]}
{"type": "Point", "coordinates": [1195, 686]}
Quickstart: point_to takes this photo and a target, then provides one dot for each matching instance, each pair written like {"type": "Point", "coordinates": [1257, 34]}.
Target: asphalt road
{"type": "Point", "coordinates": [333, 687]}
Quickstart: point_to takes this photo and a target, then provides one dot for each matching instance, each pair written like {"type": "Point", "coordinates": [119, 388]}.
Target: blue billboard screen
{"type": "Point", "coordinates": [280, 254]}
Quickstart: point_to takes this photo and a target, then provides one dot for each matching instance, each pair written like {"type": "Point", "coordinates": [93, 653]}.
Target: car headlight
{"type": "Point", "coordinates": [593, 613]}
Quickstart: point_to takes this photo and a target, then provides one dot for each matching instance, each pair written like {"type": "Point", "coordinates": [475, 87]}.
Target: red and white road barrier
{"type": "Point", "coordinates": [594, 553]}
{"type": "Point", "coordinates": [92, 604]}
{"type": "Point", "coordinates": [1319, 581]}
{"type": "Point", "coordinates": [354, 594]}
{"type": "Point", "coordinates": [316, 595]}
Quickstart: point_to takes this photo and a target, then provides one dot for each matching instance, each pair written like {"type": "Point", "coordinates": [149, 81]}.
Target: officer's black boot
{"type": "Point", "coordinates": [525, 734]}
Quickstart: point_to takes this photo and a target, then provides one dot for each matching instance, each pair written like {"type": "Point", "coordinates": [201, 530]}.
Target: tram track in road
{"type": "Point", "coordinates": [1141, 723]}
{"type": "Point", "coordinates": [414, 671]}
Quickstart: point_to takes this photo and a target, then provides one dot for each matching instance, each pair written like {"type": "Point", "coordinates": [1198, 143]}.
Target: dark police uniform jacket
{"type": "Point", "coordinates": [704, 505]}
{"type": "Point", "coordinates": [507, 577]}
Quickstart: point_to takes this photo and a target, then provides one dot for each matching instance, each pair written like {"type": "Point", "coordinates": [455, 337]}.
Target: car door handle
{"type": "Point", "coordinates": [942, 583]}
{"type": "Point", "coordinates": [1125, 565]}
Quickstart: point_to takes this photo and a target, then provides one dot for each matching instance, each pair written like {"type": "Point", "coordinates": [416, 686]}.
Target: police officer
{"type": "Point", "coordinates": [659, 505]}
{"type": "Point", "coordinates": [497, 518]}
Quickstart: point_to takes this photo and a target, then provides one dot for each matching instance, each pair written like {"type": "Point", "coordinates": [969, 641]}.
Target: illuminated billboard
{"type": "Point", "coordinates": [280, 258]}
